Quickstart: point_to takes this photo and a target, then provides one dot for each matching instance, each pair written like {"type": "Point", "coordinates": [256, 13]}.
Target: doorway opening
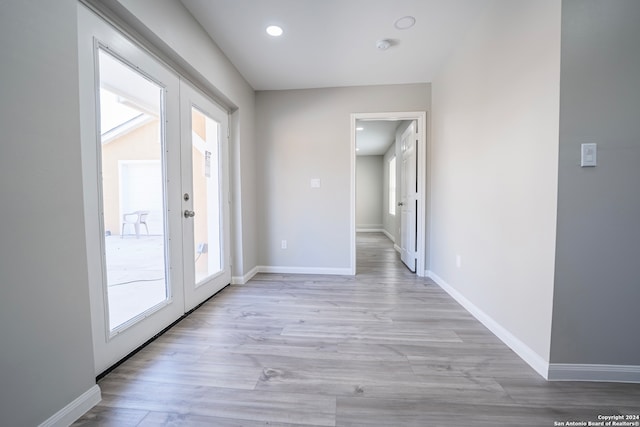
{"type": "Point", "coordinates": [388, 176]}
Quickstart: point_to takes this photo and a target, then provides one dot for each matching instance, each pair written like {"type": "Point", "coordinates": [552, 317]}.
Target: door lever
{"type": "Point", "coordinates": [189, 214]}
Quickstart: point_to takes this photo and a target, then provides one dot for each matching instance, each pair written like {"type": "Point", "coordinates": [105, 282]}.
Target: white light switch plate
{"type": "Point", "coordinates": [588, 154]}
{"type": "Point", "coordinates": [315, 183]}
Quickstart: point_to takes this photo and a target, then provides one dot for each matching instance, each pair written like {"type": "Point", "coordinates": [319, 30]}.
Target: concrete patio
{"type": "Point", "coordinates": [135, 275]}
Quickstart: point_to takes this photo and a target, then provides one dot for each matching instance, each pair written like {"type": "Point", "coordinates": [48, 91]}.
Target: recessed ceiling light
{"type": "Point", "coordinates": [405, 22]}
{"type": "Point", "coordinates": [357, 149]}
{"type": "Point", "coordinates": [359, 128]}
{"type": "Point", "coordinates": [274, 30]}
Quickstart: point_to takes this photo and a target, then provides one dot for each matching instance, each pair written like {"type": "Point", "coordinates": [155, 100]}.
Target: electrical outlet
{"type": "Point", "coordinates": [283, 245]}
{"type": "Point", "coordinates": [458, 261]}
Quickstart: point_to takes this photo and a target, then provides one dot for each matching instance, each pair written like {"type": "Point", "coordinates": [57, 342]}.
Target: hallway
{"type": "Point", "coordinates": [383, 348]}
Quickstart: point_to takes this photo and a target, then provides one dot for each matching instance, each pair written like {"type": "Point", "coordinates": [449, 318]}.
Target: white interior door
{"type": "Point", "coordinates": [131, 173]}
{"type": "Point", "coordinates": [205, 201]}
{"type": "Point", "coordinates": [408, 197]}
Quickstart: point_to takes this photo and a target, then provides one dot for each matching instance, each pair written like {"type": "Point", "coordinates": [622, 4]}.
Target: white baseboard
{"type": "Point", "coordinates": [600, 373]}
{"type": "Point", "coordinates": [241, 280]}
{"type": "Point", "coordinates": [372, 229]}
{"type": "Point", "coordinates": [534, 360]}
{"type": "Point", "coordinates": [389, 235]}
{"type": "Point", "coordinates": [74, 410]}
{"type": "Point", "coordinates": [304, 270]}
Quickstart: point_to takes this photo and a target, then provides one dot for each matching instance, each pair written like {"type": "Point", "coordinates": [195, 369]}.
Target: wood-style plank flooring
{"type": "Point", "coordinates": [383, 348]}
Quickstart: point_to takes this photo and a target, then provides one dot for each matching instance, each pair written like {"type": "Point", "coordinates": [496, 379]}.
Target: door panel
{"type": "Point", "coordinates": [156, 191]}
{"type": "Point", "coordinates": [205, 197]}
{"type": "Point", "coordinates": [131, 174]}
{"type": "Point", "coordinates": [408, 199]}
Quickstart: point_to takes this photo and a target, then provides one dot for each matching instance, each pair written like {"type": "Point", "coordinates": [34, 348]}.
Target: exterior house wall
{"type": "Point", "coordinates": [142, 143]}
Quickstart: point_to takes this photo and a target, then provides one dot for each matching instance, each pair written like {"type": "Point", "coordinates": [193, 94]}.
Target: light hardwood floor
{"type": "Point", "coordinates": [383, 348]}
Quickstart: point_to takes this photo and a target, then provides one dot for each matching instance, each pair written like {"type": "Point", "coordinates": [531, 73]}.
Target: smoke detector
{"type": "Point", "coordinates": [383, 44]}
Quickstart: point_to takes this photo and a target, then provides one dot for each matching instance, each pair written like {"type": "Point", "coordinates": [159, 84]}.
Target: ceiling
{"type": "Point", "coordinates": [332, 43]}
{"type": "Point", "coordinates": [376, 136]}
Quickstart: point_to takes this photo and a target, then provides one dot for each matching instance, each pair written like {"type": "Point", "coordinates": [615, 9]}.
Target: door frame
{"type": "Point", "coordinates": [121, 44]}
{"type": "Point", "coordinates": [95, 33]}
{"type": "Point", "coordinates": [421, 119]}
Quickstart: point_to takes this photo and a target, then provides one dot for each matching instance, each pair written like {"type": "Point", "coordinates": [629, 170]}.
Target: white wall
{"type": "Point", "coordinates": [46, 356]}
{"type": "Point", "coordinates": [305, 134]}
{"type": "Point", "coordinates": [369, 192]}
{"type": "Point", "coordinates": [171, 28]}
{"type": "Point", "coordinates": [389, 221]}
{"type": "Point", "coordinates": [493, 170]}
{"type": "Point", "coordinates": [597, 290]}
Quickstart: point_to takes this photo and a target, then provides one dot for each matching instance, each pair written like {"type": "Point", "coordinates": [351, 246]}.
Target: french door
{"type": "Point", "coordinates": [205, 196]}
{"type": "Point", "coordinates": [155, 191]}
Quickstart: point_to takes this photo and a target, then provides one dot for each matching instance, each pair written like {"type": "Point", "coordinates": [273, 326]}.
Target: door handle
{"type": "Point", "coordinates": [189, 214]}
{"type": "Point", "coordinates": [399, 204]}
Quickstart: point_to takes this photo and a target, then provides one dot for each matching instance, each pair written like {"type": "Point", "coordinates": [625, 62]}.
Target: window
{"type": "Point", "coordinates": [392, 185]}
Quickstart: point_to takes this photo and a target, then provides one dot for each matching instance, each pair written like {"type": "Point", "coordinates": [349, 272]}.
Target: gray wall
{"type": "Point", "coordinates": [46, 360]}
{"type": "Point", "coordinates": [597, 285]}
{"type": "Point", "coordinates": [304, 134]}
{"type": "Point", "coordinates": [370, 188]}
{"type": "Point", "coordinates": [493, 169]}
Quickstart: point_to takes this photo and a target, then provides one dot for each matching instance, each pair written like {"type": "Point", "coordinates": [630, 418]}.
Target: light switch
{"type": "Point", "coordinates": [315, 183]}
{"type": "Point", "coordinates": [588, 154]}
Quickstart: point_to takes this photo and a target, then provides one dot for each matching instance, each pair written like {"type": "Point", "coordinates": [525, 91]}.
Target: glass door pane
{"type": "Point", "coordinates": [205, 149]}
{"type": "Point", "coordinates": [133, 202]}
{"type": "Point", "coordinates": [205, 224]}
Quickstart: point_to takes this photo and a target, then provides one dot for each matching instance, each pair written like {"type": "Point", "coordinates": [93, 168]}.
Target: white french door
{"type": "Point", "coordinates": [205, 184]}
{"type": "Point", "coordinates": [150, 259]}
